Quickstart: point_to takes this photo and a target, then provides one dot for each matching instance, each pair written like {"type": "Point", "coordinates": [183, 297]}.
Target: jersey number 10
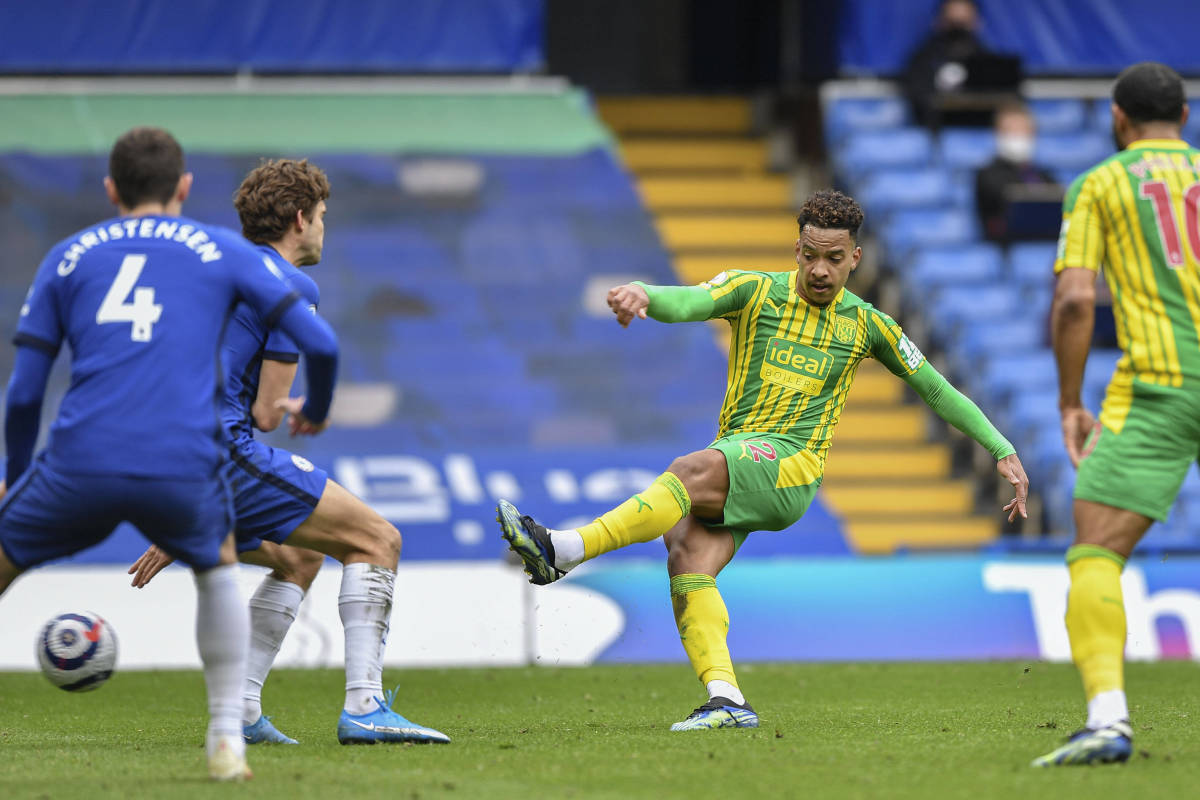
{"type": "Point", "coordinates": [1168, 228]}
{"type": "Point", "coordinates": [143, 312]}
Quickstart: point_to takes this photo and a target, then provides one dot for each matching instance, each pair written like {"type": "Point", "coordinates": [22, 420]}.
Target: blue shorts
{"type": "Point", "coordinates": [50, 514]}
{"type": "Point", "coordinates": [273, 490]}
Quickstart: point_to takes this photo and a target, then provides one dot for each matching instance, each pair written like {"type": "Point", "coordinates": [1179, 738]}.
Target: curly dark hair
{"type": "Point", "coordinates": [270, 196]}
{"type": "Point", "coordinates": [831, 210]}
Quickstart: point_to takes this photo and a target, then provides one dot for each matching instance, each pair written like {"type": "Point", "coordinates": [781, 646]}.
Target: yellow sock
{"type": "Point", "coordinates": [703, 623]}
{"type": "Point", "coordinates": [642, 518]}
{"type": "Point", "coordinates": [1096, 618]}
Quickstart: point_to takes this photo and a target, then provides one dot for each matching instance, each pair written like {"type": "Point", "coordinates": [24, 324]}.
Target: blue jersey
{"type": "Point", "coordinates": [249, 340]}
{"type": "Point", "coordinates": [143, 303]}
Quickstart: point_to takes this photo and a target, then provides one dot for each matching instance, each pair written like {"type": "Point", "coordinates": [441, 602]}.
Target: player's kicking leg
{"type": "Point", "coordinates": [273, 608]}
{"type": "Point", "coordinates": [698, 480]}
{"type": "Point", "coordinates": [368, 546]}
{"type": "Point", "coordinates": [1105, 536]}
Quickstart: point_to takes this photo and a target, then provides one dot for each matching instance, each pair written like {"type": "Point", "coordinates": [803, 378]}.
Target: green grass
{"type": "Point", "coordinates": [829, 731]}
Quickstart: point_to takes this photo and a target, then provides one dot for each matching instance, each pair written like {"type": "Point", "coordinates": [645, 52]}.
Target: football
{"type": "Point", "coordinates": [77, 651]}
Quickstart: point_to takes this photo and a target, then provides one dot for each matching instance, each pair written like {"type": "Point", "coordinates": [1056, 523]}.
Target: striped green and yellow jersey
{"type": "Point", "coordinates": [791, 364]}
{"type": "Point", "coordinates": [1136, 214]}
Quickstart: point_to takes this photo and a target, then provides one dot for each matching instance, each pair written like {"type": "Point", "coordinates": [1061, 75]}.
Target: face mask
{"type": "Point", "coordinates": [1015, 148]}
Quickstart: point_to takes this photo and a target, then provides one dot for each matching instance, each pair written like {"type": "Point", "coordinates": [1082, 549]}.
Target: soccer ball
{"type": "Point", "coordinates": [77, 651]}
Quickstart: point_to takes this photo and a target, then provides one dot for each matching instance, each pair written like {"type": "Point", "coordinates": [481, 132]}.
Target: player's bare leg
{"type": "Point", "coordinates": [695, 483]}
{"type": "Point", "coordinates": [273, 608]}
{"type": "Point", "coordinates": [1104, 538]}
{"type": "Point", "coordinates": [222, 634]}
{"type": "Point", "coordinates": [696, 553]}
{"type": "Point", "coordinates": [348, 529]}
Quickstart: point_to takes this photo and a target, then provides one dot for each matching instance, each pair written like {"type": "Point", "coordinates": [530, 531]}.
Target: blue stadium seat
{"type": "Point", "coordinates": [967, 148]}
{"type": "Point", "coordinates": [919, 228]}
{"type": "Point", "coordinates": [866, 152]}
{"type": "Point", "coordinates": [1101, 116]}
{"type": "Point", "coordinates": [980, 342]}
{"type": "Point", "coordinates": [951, 308]}
{"type": "Point", "coordinates": [1059, 116]}
{"type": "Point", "coordinates": [1006, 374]}
{"type": "Point", "coordinates": [886, 190]}
{"type": "Point", "coordinates": [865, 114]}
{"type": "Point", "coordinates": [1071, 150]}
{"type": "Point", "coordinates": [1032, 263]}
{"type": "Point", "coordinates": [935, 267]}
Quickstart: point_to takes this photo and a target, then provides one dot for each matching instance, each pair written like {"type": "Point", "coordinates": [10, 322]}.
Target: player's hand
{"type": "Point", "coordinates": [1012, 471]}
{"type": "Point", "coordinates": [1078, 426]}
{"type": "Point", "coordinates": [628, 301]}
{"type": "Point", "coordinates": [3, 488]}
{"type": "Point", "coordinates": [150, 564]}
{"type": "Point", "coordinates": [298, 424]}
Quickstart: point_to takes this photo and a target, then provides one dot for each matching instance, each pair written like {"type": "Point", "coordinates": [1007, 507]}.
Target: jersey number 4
{"type": "Point", "coordinates": [143, 312]}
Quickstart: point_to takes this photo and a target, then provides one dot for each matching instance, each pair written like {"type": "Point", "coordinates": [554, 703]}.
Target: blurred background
{"type": "Point", "coordinates": [497, 165]}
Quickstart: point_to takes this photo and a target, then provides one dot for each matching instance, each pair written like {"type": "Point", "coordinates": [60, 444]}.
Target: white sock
{"type": "Point", "coordinates": [725, 689]}
{"type": "Point", "coordinates": [222, 635]}
{"type": "Point", "coordinates": [365, 606]}
{"type": "Point", "coordinates": [273, 609]}
{"type": "Point", "coordinates": [1106, 708]}
{"type": "Point", "coordinates": [568, 549]}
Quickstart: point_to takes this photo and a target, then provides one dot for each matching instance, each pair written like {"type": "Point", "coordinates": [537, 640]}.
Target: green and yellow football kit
{"type": "Point", "coordinates": [791, 365]}
{"type": "Point", "coordinates": [1136, 214]}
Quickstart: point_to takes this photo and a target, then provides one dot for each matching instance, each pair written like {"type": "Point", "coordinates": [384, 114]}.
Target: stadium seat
{"type": "Point", "coordinates": [1072, 150]}
{"type": "Point", "coordinates": [950, 308]}
{"type": "Point", "coordinates": [920, 228]}
{"type": "Point", "coordinates": [933, 268]}
{"type": "Point", "coordinates": [967, 148]}
{"type": "Point", "coordinates": [886, 190]}
{"type": "Point", "coordinates": [865, 114]}
{"type": "Point", "coordinates": [1009, 373]}
{"type": "Point", "coordinates": [866, 152]}
{"type": "Point", "coordinates": [1032, 263]}
{"type": "Point", "coordinates": [979, 342]}
{"type": "Point", "coordinates": [1101, 116]}
{"type": "Point", "coordinates": [1059, 115]}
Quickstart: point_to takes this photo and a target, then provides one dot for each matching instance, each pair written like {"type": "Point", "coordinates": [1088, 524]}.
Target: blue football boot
{"type": "Point", "coordinates": [384, 725]}
{"type": "Point", "coordinates": [531, 541]}
{"type": "Point", "coordinates": [263, 732]}
{"type": "Point", "coordinates": [1107, 745]}
{"type": "Point", "coordinates": [719, 712]}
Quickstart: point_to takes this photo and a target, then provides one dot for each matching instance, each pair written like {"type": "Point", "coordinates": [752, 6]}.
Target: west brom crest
{"type": "Point", "coordinates": [844, 329]}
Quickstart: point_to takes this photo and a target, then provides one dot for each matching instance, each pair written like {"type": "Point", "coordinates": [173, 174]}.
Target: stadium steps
{"type": "Point", "coordinates": [674, 114]}
{"type": "Point", "coordinates": [703, 174]}
{"type": "Point", "coordinates": [884, 534]}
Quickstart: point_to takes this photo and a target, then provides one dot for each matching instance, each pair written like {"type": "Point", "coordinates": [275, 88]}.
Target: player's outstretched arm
{"type": "Point", "coordinates": [152, 562]}
{"type": "Point", "coordinates": [956, 408]}
{"type": "Point", "coordinates": [663, 303]}
{"type": "Point", "coordinates": [23, 408]}
{"type": "Point", "coordinates": [1072, 318]}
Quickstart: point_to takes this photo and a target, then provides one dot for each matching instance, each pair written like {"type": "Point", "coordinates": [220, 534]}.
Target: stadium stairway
{"type": "Point", "coordinates": [704, 176]}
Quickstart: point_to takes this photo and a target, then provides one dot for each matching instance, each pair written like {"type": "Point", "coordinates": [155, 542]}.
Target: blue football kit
{"type": "Point", "coordinates": [274, 491]}
{"type": "Point", "coordinates": [143, 304]}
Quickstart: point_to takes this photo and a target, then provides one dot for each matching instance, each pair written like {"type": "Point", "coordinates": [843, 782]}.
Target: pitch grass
{"type": "Point", "coordinates": [828, 731]}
